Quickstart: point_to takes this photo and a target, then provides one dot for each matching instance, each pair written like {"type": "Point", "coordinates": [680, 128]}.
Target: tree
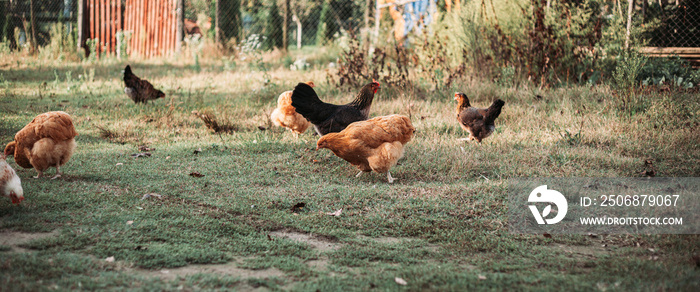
{"type": "Point", "coordinates": [228, 19]}
{"type": "Point", "coordinates": [273, 28]}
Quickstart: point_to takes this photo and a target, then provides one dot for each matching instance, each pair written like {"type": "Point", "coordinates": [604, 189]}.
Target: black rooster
{"type": "Point", "coordinates": [331, 118]}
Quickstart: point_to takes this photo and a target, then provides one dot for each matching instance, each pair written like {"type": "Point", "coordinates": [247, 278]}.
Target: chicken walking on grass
{"type": "Point", "coordinates": [479, 122]}
{"type": "Point", "coordinates": [286, 116]}
{"type": "Point", "coordinates": [47, 141]}
{"type": "Point", "coordinates": [10, 184]}
{"type": "Point", "coordinates": [139, 90]}
{"type": "Point", "coordinates": [372, 145]}
{"type": "Point", "coordinates": [331, 118]}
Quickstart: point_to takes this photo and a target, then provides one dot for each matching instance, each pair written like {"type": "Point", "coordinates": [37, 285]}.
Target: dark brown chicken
{"type": "Point", "coordinates": [479, 122]}
{"type": "Point", "coordinates": [331, 118]}
{"type": "Point", "coordinates": [139, 90]}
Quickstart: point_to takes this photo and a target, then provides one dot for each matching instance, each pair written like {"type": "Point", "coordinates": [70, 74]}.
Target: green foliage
{"type": "Point", "coordinates": [92, 48]}
{"type": "Point", "coordinates": [628, 71]}
{"type": "Point", "coordinates": [672, 71]}
{"type": "Point", "coordinates": [322, 36]}
{"type": "Point", "coordinates": [62, 43]}
{"type": "Point", "coordinates": [122, 44]}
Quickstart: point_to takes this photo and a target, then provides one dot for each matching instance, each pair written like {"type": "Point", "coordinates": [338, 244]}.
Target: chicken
{"type": "Point", "coordinates": [49, 140]}
{"type": "Point", "coordinates": [191, 28]}
{"type": "Point", "coordinates": [286, 116]}
{"type": "Point", "coordinates": [331, 118]}
{"type": "Point", "coordinates": [139, 90]}
{"type": "Point", "coordinates": [375, 144]}
{"type": "Point", "coordinates": [10, 184]}
{"type": "Point", "coordinates": [479, 122]}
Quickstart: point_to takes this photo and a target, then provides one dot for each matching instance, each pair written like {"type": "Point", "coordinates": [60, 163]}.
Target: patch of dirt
{"type": "Point", "coordinates": [316, 242]}
{"type": "Point", "coordinates": [581, 251]}
{"type": "Point", "coordinates": [395, 240]}
{"type": "Point", "coordinates": [15, 238]}
{"type": "Point", "coordinates": [319, 264]}
{"type": "Point", "coordinates": [227, 269]}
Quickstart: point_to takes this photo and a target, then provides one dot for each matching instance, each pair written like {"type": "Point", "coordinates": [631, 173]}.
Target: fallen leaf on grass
{"type": "Point", "coordinates": [261, 128]}
{"type": "Point", "coordinates": [142, 154]}
{"type": "Point", "coordinates": [199, 150]}
{"type": "Point", "coordinates": [298, 207]}
{"type": "Point", "coordinates": [109, 259]}
{"type": "Point", "coordinates": [482, 277]}
{"type": "Point", "coordinates": [146, 196]}
{"type": "Point", "coordinates": [118, 164]}
{"type": "Point", "coordinates": [547, 235]}
{"type": "Point", "coordinates": [336, 213]}
{"type": "Point", "coordinates": [400, 281]}
{"type": "Point", "coordinates": [129, 222]}
{"type": "Point", "coordinates": [196, 174]}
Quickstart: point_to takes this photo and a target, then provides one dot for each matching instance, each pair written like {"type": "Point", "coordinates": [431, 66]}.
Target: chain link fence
{"type": "Point", "coordinates": [677, 22]}
{"type": "Point", "coordinates": [34, 23]}
{"type": "Point", "coordinates": [52, 19]}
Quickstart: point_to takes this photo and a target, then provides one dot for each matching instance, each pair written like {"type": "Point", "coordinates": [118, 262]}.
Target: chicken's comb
{"type": "Point", "coordinates": [374, 81]}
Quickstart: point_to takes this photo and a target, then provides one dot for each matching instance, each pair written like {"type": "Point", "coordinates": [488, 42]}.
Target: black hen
{"type": "Point", "coordinates": [331, 118]}
{"type": "Point", "coordinates": [479, 122]}
{"type": "Point", "coordinates": [139, 90]}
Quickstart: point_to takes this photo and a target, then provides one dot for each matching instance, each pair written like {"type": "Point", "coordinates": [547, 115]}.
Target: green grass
{"type": "Point", "coordinates": [441, 226]}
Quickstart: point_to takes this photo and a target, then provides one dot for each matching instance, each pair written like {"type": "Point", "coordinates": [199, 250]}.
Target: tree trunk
{"type": "Point", "coordinates": [365, 31]}
{"type": "Point", "coordinates": [217, 24]}
{"type": "Point", "coordinates": [33, 24]}
{"type": "Point", "coordinates": [630, 10]}
{"type": "Point", "coordinates": [376, 27]}
{"type": "Point", "coordinates": [285, 26]}
{"type": "Point", "coordinates": [299, 32]}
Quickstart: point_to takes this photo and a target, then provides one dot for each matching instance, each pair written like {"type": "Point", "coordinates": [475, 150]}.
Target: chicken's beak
{"type": "Point", "coordinates": [456, 95]}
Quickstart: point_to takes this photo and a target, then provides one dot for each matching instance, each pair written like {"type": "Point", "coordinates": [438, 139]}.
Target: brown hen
{"type": "Point", "coordinates": [375, 144]}
{"type": "Point", "coordinates": [285, 115]}
{"type": "Point", "coordinates": [49, 140]}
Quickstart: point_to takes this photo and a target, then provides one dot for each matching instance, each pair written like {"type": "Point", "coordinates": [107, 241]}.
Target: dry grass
{"type": "Point", "coordinates": [211, 122]}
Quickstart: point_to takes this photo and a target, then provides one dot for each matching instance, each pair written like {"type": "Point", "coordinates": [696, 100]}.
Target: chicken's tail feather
{"type": "Point", "coordinates": [494, 111]}
{"type": "Point", "coordinates": [129, 77]}
{"type": "Point", "coordinates": [307, 103]}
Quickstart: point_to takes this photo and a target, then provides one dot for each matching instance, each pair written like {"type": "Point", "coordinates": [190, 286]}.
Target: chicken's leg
{"type": "Point", "coordinates": [389, 178]}
{"type": "Point", "coordinates": [38, 175]}
{"type": "Point", "coordinates": [58, 173]}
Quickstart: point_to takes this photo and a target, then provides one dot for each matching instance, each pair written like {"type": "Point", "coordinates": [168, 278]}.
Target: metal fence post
{"type": "Point", "coordinates": [180, 20]}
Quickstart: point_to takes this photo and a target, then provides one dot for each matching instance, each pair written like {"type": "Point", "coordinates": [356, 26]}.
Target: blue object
{"type": "Point", "coordinates": [414, 12]}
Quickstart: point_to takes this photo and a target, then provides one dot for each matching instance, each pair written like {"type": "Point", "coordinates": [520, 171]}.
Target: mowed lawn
{"type": "Point", "coordinates": [258, 217]}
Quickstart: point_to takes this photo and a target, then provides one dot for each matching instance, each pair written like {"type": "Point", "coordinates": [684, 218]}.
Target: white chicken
{"type": "Point", "coordinates": [10, 184]}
